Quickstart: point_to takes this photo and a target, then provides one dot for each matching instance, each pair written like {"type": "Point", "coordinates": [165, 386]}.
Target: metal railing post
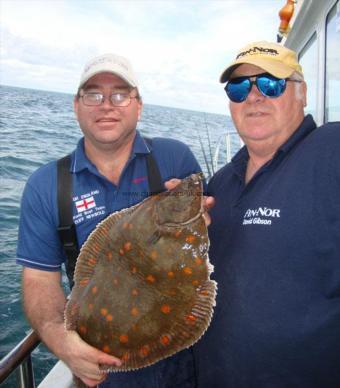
{"type": "Point", "coordinates": [19, 360]}
{"type": "Point", "coordinates": [25, 374]}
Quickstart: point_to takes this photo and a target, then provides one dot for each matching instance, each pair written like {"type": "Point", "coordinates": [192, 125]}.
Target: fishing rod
{"type": "Point", "coordinates": [204, 155]}
{"type": "Point", "coordinates": [209, 144]}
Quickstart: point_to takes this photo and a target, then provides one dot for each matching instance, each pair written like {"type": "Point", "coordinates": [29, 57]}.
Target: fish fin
{"type": "Point", "coordinates": [71, 315]}
{"type": "Point", "coordinates": [95, 248]}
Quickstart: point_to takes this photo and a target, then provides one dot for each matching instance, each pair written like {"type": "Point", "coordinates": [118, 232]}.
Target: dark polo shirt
{"type": "Point", "coordinates": [275, 245]}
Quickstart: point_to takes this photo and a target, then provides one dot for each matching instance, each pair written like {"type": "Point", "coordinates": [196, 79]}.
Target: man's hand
{"type": "Point", "coordinates": [44, 303]}
{"type": "Point", "coordinates": [208, 202]}
{"type": "Point", "coordinates": [85, 361]}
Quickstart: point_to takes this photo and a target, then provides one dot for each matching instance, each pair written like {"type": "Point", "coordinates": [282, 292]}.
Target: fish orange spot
{"type": "Point", "coordinates": [178, 233]}
{"type": "Point", "coordinates": [204, 293]}
{"type": "Point", "coordinates": [128, 246]}
{"type": "Point", "coordinates": [92, 262]}
{"type": "Point", "coordinates": [94, 289]}
{"type": "Point", "coordinates": [195, 282]}
{"type": "Point", "coordinates": [150, 279]}
{"type": "Point", "coordinates": [125, 225]}
{"type": "Point", "coordinates": [109, 317]}
{"type": "Point", "coordinates": [134, 311]}
{"type": "Point", "coordinates": [123, 338]}
{"type": "Point", "coordinates": [190, 239]}
{"type": "Point", "coordinates": [154, 255]}
{"type": "Point", "coordinates": [83, 329]}
{"type": "Point", "coordinates": [165, 340]}
{"type": "Point", "coordinates": [165, 309]}
{"type": "Point", "coordinates": [144, 350]}
{"type": "Point", "coordinates": [103, 311]}
{"type": "Point", "coordinates": [134, 270]}
{"type": "Point", "coordinates": [134, 292]}
{"type": "Point", "coordinates": [198, 261]}
{"type": "Point", "coordinates": [84, 281]}
{"type": "Point", "coordinates": [171, 274]}
{"type": "Point", "coordinates": [121, 252]}
{"type": "Point", "coordinates": [191, 318]}
{"type": "Point", "coordinates": [106, 348]}
{"type": "Point", "coordinates": [187, 270]}
{"type": "Point", "coordinates": [109, 255]}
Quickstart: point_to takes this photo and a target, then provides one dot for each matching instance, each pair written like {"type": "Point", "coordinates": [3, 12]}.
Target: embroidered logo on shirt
{"type": "Point", "coordinates": [139, 179]}
{"type": "Point", "coordinates": [260, 216]}
{"type": "Point", "coordinates": [85, 204]}
{"type": "Point", "coordinates": [87, 207]}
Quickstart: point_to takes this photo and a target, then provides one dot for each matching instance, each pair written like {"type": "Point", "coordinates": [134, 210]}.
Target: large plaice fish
{"type": "Point", "coordinates": [142, 289]}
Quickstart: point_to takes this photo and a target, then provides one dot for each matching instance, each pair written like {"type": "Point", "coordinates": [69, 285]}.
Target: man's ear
{"type": "Point", "coordinates": [76, 106]}
{"type": "Point", "coordinates": [140, 109]}
{"type": "Point", "coordinates": [304, 93]}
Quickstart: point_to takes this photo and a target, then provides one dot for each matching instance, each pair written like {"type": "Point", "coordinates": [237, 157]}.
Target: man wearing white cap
{"type": "Point", "coordinates": [112, 168]}
{"type": "Point", "coordinates": [274, 235]}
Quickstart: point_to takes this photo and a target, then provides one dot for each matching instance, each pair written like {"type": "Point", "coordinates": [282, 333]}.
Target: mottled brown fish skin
{"type": "Point", "coordinates": [142, 289]}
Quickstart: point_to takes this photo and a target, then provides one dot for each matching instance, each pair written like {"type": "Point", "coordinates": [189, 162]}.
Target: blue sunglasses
{"type": "Point", "coordinates": [238, 88]}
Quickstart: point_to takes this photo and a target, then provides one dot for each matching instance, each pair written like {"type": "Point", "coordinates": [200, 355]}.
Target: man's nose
{"type": "Point", "coordinates": [107, 104]}
{"type": "Point", "coordinates": [254, 95]}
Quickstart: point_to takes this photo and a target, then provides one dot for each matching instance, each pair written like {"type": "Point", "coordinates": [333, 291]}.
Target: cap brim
{"type": "Point", "coordinates": [118, 74]}
{"type": "Point", "coordinates": [277, 69]}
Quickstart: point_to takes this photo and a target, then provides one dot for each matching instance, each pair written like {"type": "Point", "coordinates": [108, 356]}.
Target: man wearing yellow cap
{"type": "Point", "coordinates": [275, 235]}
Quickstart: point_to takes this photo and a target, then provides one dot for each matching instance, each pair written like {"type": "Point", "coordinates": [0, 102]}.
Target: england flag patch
{"type": "Point", "coordinates": [85, 204]}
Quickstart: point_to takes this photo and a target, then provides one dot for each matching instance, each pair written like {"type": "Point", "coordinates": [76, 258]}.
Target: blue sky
{"type": "Point", "coordinates": [178, 48]}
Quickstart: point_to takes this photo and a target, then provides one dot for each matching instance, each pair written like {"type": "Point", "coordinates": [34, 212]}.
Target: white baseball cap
{"type": "Point", "coordinates": [109, 63]}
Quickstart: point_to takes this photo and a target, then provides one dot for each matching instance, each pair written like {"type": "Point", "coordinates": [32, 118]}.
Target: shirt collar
{"type": "Point", "coordinates": [140, 146]}
{"type": "Point", "coordinates": [307, 126]}
{"type": "Point", "coordinates": [239, 161]}
{"type": "Point", "coordinates": [81, 162]}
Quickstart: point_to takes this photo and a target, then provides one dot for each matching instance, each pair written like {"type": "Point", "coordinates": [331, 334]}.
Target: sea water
{"type": "Point", "coordinates": [39, 126]}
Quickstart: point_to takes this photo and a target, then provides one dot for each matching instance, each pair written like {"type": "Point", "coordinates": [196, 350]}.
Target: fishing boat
{"type": "Point", "coordinates": [310, 27]}
{"type": "Point", "coordinates": [315, 36]}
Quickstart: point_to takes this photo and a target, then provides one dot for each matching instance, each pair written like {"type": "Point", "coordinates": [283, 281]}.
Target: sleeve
{"type": "Point", "coordinates": [38, 241]}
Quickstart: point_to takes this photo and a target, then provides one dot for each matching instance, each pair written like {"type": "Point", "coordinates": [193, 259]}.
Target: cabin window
{"type": "Point", "coordinates": [308, 59]}
{"type": "Point", "coordinates": [332, 74]}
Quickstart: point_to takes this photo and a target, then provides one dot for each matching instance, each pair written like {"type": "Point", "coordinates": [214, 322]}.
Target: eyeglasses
{"type": "Point", "coordinates": [238, 88]}
{"type": "Point", "coordinates": [117, 99]}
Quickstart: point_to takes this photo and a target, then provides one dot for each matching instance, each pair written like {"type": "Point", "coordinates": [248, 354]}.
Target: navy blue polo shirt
{"type": "Point", "coordinates": [94, 197]}
{"type": "Point", "coordinates": [275, 245]}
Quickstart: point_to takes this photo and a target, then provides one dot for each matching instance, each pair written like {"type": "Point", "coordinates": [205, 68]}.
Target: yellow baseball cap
{"type": "Point", "coordinates": [273, 58]}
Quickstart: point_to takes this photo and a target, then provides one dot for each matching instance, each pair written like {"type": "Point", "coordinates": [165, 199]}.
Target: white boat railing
{"type": "Point", "coordinates": [228, 144]}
